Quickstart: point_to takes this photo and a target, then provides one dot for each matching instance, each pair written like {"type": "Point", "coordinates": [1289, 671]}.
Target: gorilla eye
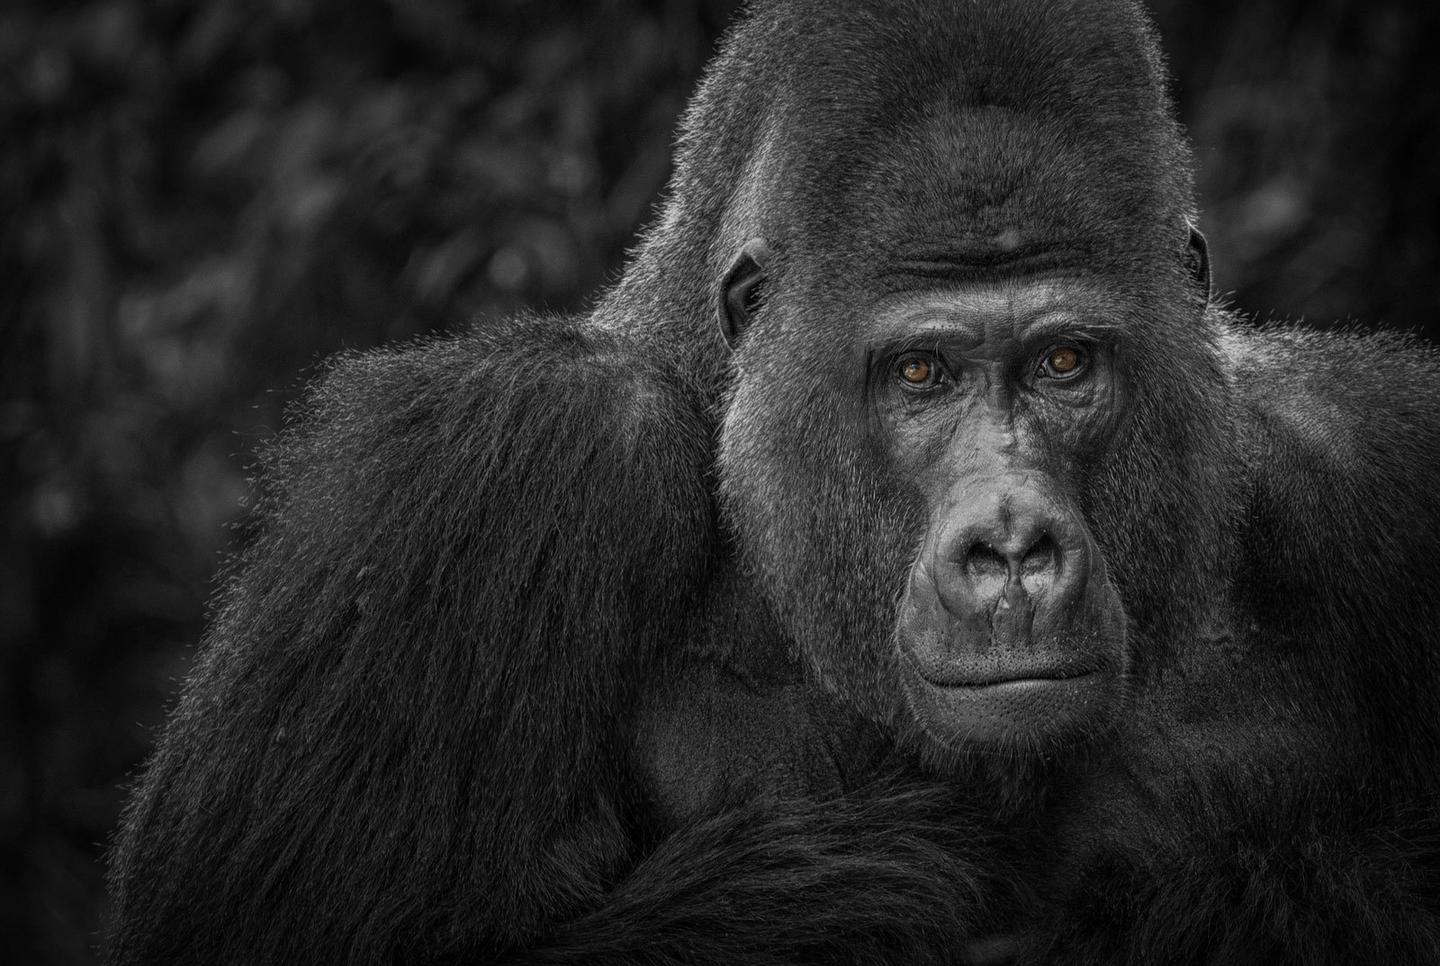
{"type": "Point", "coordinates": [918, 371]}
{"type": "Point", "coordinates": [1063, 362]}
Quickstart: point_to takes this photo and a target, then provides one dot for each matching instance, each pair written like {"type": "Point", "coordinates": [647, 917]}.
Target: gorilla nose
{"type": "Point", "coordinates": [1005, 553]}
{"type": "Point", "coordinates": [1025, 557]}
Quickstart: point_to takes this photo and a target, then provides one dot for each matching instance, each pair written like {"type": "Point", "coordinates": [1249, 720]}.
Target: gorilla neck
{"type": "Point", "coordinates": [1008, 788]}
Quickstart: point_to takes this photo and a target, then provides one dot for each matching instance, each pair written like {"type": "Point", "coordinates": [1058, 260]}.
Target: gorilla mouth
{"type": "Point", "coordinates": [975, 673]}
{"type": "Point", "coordinates": [1008, 701]}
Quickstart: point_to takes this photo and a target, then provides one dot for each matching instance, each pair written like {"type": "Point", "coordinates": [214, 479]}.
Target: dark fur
{"type": "Point", "coordinates": [495, 680]}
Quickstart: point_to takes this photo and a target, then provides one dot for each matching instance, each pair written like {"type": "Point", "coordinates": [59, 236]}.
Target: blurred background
{"type": "Point", "coordinates": [199, 199]}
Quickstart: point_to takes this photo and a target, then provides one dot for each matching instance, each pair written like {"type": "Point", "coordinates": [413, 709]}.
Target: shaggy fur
{"type": "Point", "coordinates": [571, 640]}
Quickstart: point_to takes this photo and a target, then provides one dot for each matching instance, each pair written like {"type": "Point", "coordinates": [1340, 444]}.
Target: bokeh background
{"type": "Point", "coordinates": [199, 199]}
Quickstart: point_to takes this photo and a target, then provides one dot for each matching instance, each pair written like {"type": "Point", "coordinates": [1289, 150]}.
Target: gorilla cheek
{"type": "Point", "coordinates": [827, 546]}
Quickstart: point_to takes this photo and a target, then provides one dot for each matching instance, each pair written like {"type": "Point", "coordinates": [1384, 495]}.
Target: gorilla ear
{"type": "Point", "coordinates": [740, 290]}
{"type": "Point", "coordinates": [1197, 259]}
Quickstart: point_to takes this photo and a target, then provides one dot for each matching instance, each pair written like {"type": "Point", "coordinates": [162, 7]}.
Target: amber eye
{"type": "Point", "coordinates": [1063, 362]}
{"type": "Point", "coordinates": [917, 371]}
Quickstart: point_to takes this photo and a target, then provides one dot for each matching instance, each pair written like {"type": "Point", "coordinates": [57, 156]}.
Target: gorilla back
{"type": "Point", "coordinates": [907, 561]}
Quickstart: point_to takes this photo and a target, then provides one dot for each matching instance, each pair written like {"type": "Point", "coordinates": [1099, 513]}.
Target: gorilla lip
{"type": "Point", "coordinates": [975, 674]}
{"type": "Point", "coordinates": [1036, 679]}
{"type": "Point", "coordinates": [1001, 704]}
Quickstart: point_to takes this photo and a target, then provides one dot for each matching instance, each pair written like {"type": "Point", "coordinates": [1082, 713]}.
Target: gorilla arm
{"type": "Point", "coordinates": [406, 705]}
{"type": "Point", "coordinates": [1219, 843]}
{"type": "Point", "coordinates": [1277, 798]}
{"type": "Point", "coordinates": [407, 733]}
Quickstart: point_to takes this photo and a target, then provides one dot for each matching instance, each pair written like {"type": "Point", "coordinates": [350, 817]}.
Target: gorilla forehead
{"type": "Point", "coordinates": [993, 315]}
{"type": "Point", "coordinates": [968, 133]}
{"type": "Point", "coordinates": [979, 191]}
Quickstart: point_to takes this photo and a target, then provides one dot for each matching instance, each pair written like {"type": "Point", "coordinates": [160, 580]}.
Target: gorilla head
{"type": "Point", "coordinates": [970, 444]}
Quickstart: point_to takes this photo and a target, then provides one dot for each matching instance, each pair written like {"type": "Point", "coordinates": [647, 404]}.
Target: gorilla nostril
{"type": "Point", "coordinates": [983, 560]}
{"type": "Point", "coordinates": [1043, 555]}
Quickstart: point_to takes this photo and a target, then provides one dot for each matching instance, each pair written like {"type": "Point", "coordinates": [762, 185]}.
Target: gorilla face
{"type": "Point", "coordinates": [992, 399]}
{"type": "Point", "coordinates": [914, 497]}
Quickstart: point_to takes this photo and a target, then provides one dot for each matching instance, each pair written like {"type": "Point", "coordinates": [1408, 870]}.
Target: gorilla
{"type": "Point", "coordinates": [908, 560]}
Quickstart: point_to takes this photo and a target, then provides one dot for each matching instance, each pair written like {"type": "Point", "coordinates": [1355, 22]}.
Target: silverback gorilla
{"type": "Point", "coordinates": [907, 561]}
